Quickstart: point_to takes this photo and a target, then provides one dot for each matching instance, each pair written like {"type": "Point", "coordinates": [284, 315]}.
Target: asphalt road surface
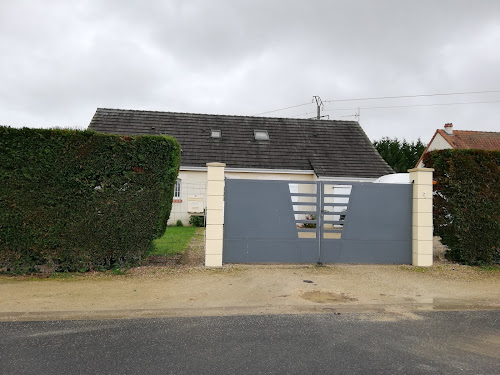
{"type": "Point", "coordinates": [429, 343]}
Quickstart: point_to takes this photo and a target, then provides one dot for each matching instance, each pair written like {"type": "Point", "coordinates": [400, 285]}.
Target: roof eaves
{"type": "Point", "coordinates": [428, 145]}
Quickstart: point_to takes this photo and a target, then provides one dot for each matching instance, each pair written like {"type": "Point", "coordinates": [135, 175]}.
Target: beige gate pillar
{"type": "Point", "coordinates": [215, 214]}
{"type": "Point", "coordinates": [422, 251]}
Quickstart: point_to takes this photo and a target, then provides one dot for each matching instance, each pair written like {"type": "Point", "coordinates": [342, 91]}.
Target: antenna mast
{"type": "Point", "coordinates": [319, 104]}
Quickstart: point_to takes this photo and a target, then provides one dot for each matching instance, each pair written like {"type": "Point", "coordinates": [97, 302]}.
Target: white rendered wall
{"type": "Point", "coordinates": [194, 183]}
{"type": "Point", "coordinates": [438, 143]}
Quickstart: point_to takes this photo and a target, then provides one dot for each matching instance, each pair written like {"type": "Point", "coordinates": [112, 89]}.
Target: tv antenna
{"type": "Point", "coordinates": [319, 105]}
{"type": "Point", "coordinates": [357, 115]}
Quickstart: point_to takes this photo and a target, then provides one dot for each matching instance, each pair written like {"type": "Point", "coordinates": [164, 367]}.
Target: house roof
{"type": "Point", "coordinates": [330, 148]}
{"type": "Point", "coordinates": [468, 139]}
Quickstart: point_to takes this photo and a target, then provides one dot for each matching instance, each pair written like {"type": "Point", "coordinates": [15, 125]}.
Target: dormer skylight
{"type": "Point", "coordinates": [261, 135]}
{"type": "Point", "coordinates": [215, 133]}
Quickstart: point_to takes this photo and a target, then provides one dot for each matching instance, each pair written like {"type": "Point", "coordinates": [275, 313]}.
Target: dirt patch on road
{"type": "Point", "coordinates": [325, 297]}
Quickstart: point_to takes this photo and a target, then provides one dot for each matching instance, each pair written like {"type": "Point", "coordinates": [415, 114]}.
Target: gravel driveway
{"type": "Point", "coordinates": [378, 292]}
{"type": "Point", "coordinates": [384, 292]}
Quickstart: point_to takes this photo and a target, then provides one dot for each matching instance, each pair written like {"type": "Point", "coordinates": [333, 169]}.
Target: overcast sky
{"type": "Point", "coordinates": [60, 60]}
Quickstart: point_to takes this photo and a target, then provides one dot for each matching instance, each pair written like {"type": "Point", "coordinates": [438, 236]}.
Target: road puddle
{"type": "Point", "coordinates": [325, 297]}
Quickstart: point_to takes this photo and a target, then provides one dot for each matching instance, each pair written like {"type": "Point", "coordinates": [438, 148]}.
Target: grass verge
{"type": "Point", "coordinates": [174, 241]}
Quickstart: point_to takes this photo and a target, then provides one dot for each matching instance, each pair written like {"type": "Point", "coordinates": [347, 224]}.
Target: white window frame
{"type": "Point", "coordinates": [261, 135]}
{"type": "Point", "coordinates": [216, 133]}
{"type": "Point", "coordinates": [177, 189]}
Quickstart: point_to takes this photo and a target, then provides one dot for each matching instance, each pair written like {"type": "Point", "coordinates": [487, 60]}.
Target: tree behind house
{"type": "Point", "coordinates": [400, 155]}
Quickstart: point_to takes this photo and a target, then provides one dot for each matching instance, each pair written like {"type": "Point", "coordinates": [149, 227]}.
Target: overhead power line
{"type": "Point", "coordinates": [389, 97]}
{"type": "Point", "coordinates": [282, 109]}
{"type": "Point", "coordinates": [412, 96]}
{"type": "Point", "coordinates": [303, 114]}
{"type": "Point", "coordinates": [382, 97]}
{"type": "Point", "coordinates": [411, 105]}
{"type": "Point", "coordinates": [397, 106]}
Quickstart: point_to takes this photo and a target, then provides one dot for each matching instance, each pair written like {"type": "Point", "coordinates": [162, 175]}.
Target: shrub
{"type": "Point", "coordinates": [467, 203]}
{"type": "Point", "coordinates": [310, 217]}
{"type": "Point", "coordinates": [179, 223]}
{"type": "Point", "coordinates": [197, 221]}
{"type": "Point", "coordinates": [79, 200]}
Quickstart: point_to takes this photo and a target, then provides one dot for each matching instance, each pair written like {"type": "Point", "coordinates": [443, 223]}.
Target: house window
{"type": "Point", "coordinates": [261, 135]}
{"type": "Point", "coordinates": [216, 133]}
{"type": "Point", "coordinates": [177, 190]}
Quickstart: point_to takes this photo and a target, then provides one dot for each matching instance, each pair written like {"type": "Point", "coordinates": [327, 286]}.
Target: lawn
{"type": "Point", "coordinates": [174, 241]}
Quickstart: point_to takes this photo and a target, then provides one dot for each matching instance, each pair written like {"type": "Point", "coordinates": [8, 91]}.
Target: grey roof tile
{"type": "Point", "coordinates": [330, 148]}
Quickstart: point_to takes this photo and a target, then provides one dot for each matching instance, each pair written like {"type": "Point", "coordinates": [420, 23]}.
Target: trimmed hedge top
{"type": "Point", "coordinates": [80, 200]}
{"type": "Point", "coordinates": [467, 203]}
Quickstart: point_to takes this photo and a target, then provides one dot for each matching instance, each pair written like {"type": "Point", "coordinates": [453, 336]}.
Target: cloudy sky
{"type": "Point", "coordinates": [60, 60]}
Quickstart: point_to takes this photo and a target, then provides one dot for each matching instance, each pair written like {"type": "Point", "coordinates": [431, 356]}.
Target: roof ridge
{"type": "Point", "coordinates": [232, 116]}
{"type": "Point", "coordinates": [469, 131]}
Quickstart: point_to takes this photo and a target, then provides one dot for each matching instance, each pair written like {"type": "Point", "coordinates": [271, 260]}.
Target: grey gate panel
{"type": "Point", "coordinates": [374, 228]}
{"type": "Point", "coordinates": [260, 224]}
{"type": "Point", "coordinates": [329, 222]}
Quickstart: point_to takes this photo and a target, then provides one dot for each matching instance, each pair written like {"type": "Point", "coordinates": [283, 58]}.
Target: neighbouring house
{"type": "Point", "coordinates": [252, 148]}
{"type": "Point", "coordinates": [461, 139]}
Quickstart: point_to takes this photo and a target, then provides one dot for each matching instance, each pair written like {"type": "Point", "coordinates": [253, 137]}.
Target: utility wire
{"type": "Point", "coordinates": [412, 96]}
{"type": "Point", "coordinates": [397, 106]}
{"type": "Point", "coordinates": [282, 109]}
{"type": "Point", "coordinates": [387, 97]}
{"type": "Point", "coordinates": [411, 105]}
{"type": "Point", "coordinates": [302, 114]}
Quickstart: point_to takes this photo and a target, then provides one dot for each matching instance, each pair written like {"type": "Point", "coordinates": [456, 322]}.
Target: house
{"type": "Point", "coordinates": [252, 148]}
{"type": "Point", "coordinates": [461, 139]}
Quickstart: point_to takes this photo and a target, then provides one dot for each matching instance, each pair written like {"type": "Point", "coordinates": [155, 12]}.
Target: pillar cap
{"type": "Point", "coordinates": [421, 170]}
{"type": "Point", "coordinates": [216, 164]}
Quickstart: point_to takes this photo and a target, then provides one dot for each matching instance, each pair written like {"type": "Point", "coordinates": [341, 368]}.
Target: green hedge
{"type": "Point", "coordinates": [79, 200]}
{"type": "Point", "coordinates": [467, 203]}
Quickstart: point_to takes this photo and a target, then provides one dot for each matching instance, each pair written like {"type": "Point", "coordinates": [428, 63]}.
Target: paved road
{"type": "Point", "coordinates": [436, 343]}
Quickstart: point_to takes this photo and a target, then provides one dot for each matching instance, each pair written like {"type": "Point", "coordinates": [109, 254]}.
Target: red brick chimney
{"type": "Point", "coordinates": [448, 128]}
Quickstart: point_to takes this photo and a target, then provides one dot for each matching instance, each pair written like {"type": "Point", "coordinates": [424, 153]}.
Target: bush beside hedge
{"type": "Point", "coordinates": [79, 200]}
{"type": "Point", "coordinates": [467, 203]}
{"type": "Point", "coordinates": [197, 221]}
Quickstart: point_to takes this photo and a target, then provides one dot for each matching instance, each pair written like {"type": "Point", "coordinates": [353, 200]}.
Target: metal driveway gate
{"type": "Point", "coordinates": [308, 222]}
